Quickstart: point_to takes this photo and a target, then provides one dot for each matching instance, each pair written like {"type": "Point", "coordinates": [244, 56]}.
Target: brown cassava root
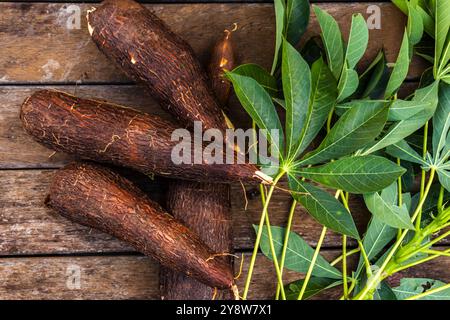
{"type": "Point", "coordinates": [105, 132]}
{"type": "Point", "coordinates": [98, 197]}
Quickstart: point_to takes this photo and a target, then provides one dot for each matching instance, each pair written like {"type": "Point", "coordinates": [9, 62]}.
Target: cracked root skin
{"type": "Point", "coordinates": [99, 198]}
{"type": "Point", "coordinates": [205, 209]}
{"type": "Point", "coordinates": [100, 131]}
{"type": "Point", "coordinates": [148, 51]}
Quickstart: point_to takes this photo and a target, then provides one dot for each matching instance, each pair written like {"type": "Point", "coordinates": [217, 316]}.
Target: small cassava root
{"type": "Point", "coordinates": [98, 197]}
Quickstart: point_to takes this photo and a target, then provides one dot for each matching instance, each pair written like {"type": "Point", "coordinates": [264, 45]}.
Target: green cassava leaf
{"type": "Point", "coordinates": [374, 78]}
{"type": "Point", "coordinates": [404, 151]}
{"type": "Point", "coordinates": [427, 20]}
{"type": "Point", "coordinates": [400, 70]}
{"type": "Point", "coordinates": [298, 254]}
{"type": "Point", "coordinates": [315, 286]}
{"type": "Point", "coordinates": [414, 26]}
{"type": "Point", "coordinates": [323, 96]}
{"type": "Point", "coordinates": [297, 19]}
{"type": "Point", "coordinates": [348, 83]}
{"type": "Point", "coordinates": [332, 39]}
{"type": "Point", "coordinates": [296, 78]}
{"type": "Point", "coordinates": [441, 124]}
{"type": "Point", "coordinates": [377, 236]}
{"type": "Point", "coordinates": [355, 128]}
{"type": "Point", "coordinates": [378, 233]}
{"type": "Point", "coordinates": [405, 109]}
{"type": "Point", "coordinates": [442, 18]}
{"type": "Point", "coordinates": [384, 292]}
{"type": "Point", "coordinates": [280, 25]}
{"type": "Point", "coordinates": [386, 212]}
{"type": "Point", "coordinates": [402, 129]}
{"type": "Point", "coordinates": [323, 207]}
{"type": "Point", "coordinates": [258, 104]}
{"type": "Point", "coordinates": [444, 178]}
{"type": "Point", "coordinates": [264, 78]}
{"type": "Point", "coordinates": [358, 174]}
{"type": "Point", "coordinates": [410, 287]}
{"type": "Point", "coordinates": [357, 40]}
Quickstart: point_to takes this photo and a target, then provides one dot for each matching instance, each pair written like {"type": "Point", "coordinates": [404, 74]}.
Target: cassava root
{"type": "Point", "coordinates": [105, 132]}
{"type": "Point", "coordinates": [98, 197]}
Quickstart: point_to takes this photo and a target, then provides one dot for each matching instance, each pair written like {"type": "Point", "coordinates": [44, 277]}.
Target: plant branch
{"type": "Point", "coordinates": [258, 236]}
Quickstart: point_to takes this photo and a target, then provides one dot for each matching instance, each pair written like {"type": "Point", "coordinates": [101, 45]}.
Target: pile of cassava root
{"type": "Point", "coordinates": [192, 239]}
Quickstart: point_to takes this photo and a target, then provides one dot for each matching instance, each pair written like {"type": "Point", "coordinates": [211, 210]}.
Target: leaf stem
{"type": "Point", "coordinates": [285, 243]}
{"type": "Point", "coordinates": [373, 281]}
{"type": "Point", "coordinates": [258, 236]}
{"type": "Point", "coordinates": [365, 259]}
{"type": "Point", "coordinates": [422, 180]}
{"type": "Point", "coordinates": [349, 253]}
{"type": "Point", "coordinates": [312, 264]}
{"type": "Point", "coordinates": [314, 258]}
{"type": "Point", "coordinates": [431, 291]}
{"type": "Point", "coordinates": [344, 266]}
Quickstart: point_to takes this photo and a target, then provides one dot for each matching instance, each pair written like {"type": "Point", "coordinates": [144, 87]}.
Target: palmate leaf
{"type": "Point", "coordinates": [441, 124]}
{"type": "Point", "coordinates": [297, 19]}
{"type": "Point", "coordinates": [315, 286]}
{"type": "Point", "coordinates": [383, 208]}
{"type": "Point", "coordinates": [279, 29]}
{"type": "Point", "coordinates": [354, 129]}
{"type": "Point", "coordinates": [400, 70]}
{"type": "Point", "coordinates": [296, 78]}
{"type": "Point", "coordinates": [258, 104]}
{"type": "Point", "coordinates": [332, 39]}
{"type": "Point", "coordinates": [413, 286]}
{"type": "Point", "coordinates": [264, 78]}
{"type": "Point", "coordinates": [323, 96]}
{"type": "Point", "coordinates": [323, 207]}
{"type": "Point", "coordinates": [359, 174]}
{"type": "Point", "coordinates": [298, 254]}
{"type": "Point", "coordinates": [402, 129]}
{"type": "Point", "coordinates": [357, 40]}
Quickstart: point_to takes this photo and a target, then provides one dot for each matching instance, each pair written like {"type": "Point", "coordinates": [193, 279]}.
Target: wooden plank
{"type": "Point", "coordinates": [28, 227]}
{"type": "Point", "coordinates": [136, 277]}
{"type": "Point", "coordinates": [37, 45]}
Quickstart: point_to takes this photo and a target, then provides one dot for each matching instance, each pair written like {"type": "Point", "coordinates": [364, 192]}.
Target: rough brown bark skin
{"type": "Point", "coordinates": [104, 132]}
{"type": "Point", "coordinates": [222, 59]}
{"type": "Point", "coordinates": [97, 197]}
{"type": "Point", "coordinates": [204, 208]}
{"type": "Point", "coordinates": [148, 51]}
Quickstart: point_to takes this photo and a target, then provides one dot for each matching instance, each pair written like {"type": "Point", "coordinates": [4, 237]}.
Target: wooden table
{"type": "Point", "coordinates": [42, 46]}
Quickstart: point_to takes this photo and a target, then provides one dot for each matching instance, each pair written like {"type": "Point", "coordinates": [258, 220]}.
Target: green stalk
{"type": "Point", "coordinates": [314, 258]}
{"type": "Point", "coordinates": [285, 243]}
{"type": "Point", "coordinates": [365, 259]}
{"type": "Point", "coordinates": [349, 253]}
{"type": "Point", "coordinates": [312, 264]}
{"type": "Point", "coordinates": [373, 281]}
{"type": "Point", "coordinates": [258, 236]}
{"type": "Point", "coordinates": [275, 259]}
{"type": "Point", "coordinates": [427, 293]}
{"type": "Point", "coordinates": [344, 266]}
{"type": "Point", "coordinates": [410, 265]}
{"type": "Point", "coordinates": [440, 200]}
{"type": "Point", "coordinates": [422, 181]}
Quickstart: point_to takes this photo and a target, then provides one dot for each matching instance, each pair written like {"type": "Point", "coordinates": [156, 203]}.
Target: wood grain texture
{"type": "Point", "coordinates": [136, 277]}
{"type": "Point", "coordinates": [38, 46]}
